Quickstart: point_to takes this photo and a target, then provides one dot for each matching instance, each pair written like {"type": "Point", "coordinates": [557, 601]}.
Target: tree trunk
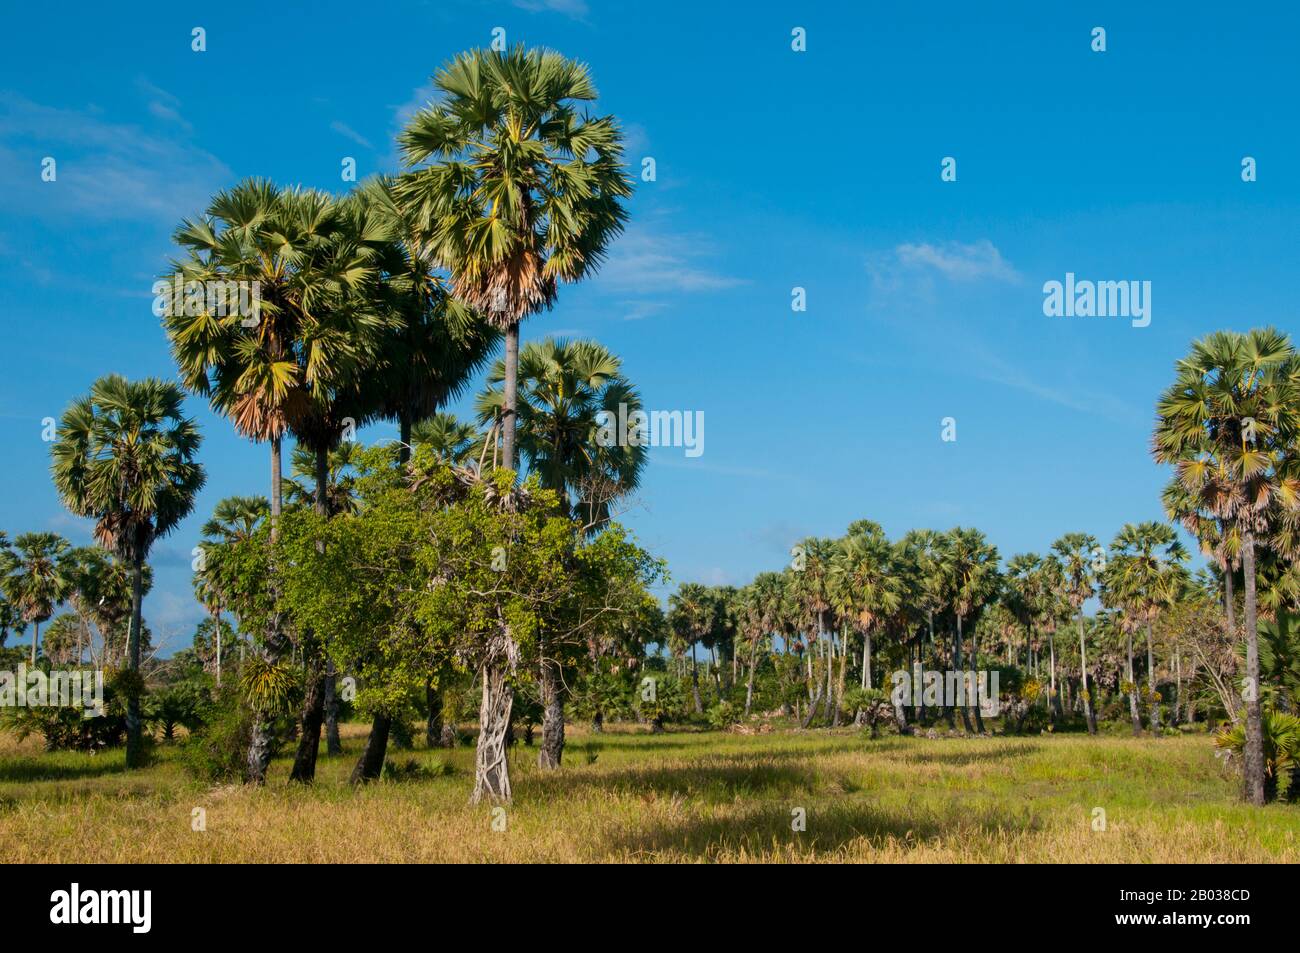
{"type": "Point", "coordinates": [134, 731]}
{"type": "Point", "coordinates": [1229, 599]}
{"type": "Point", "coordinates": [552, 750]}
{"type": "Point", "coordinates": [491, 769]}
{"type": "Point", "coordinates": [1254, 754]}
{"type": "Point", "coordinates": [36, 634]}
{"type": "Point", "coordinates": [960, 666]}
{"type": "Point", "coordinates": [974, 681]}
{"type": "Point", "coordinates": [866, 659]}
{"type": "Point", "coordinates": [1151, 684]}
{"type": "Point", "coordinates": [508, 411]}
{"type": "Point", "coordinates": [598, 722]}
{"type": "Point", "coordinates": [371, 763]}
{"type": "Point", "coordinates": [1132, 694]}
{"type": "Point", "coordinates": [313, 713]}
{"type": "Point", "coordinates": [749, 682]}
{"type": "Point", "coordinates": [433, 727]}
{"type": "Point", "coordinates": [332, 743]}
{"type": "Point", "coordinates": [1055, 696]}
{"type": "Point", "coordinates": [695, 682]}
{"type": "Point", "coordinates": [259, 748]}
{"type": "Point", "coordinates": [1089, 716]}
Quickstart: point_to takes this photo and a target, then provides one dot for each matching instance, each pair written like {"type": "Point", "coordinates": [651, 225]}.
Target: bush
{"type": "Point", "coordinates": [723, 715]}
{"type": "Point", "coordinates": [217, 748]}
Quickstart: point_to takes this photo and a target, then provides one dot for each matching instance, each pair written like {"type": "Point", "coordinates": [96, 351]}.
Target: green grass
{"type": "Point", "coordinates": [630, 796]}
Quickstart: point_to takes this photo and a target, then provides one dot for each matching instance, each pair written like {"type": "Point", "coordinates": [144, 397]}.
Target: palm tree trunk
{"type": "Point", "coordinates": [974, 679]}
{"type": "Point", "coordinates": [960, 666]}
{"type": "Point", "coordinates": [1151, 684]}
{"type": "Point", "coordinates": [695, 682]}
{"type": "Point", "coordinates": [749, 682]}
{"type": "Point", "coordinates": [1229, 598]}
{"type": "Point", "coordinates": [36, 634]}
{"type": "Point", "coordinates": [332, 743]}
{"type": "Point", "coordinates": [134, 732]}
{"type": "Point", "coordinates": [1132, 694]}
{"type": "Point", "coordinates": [216, 627]}
{"type": "Point", "coordinates": [1254, 754]}
{"type": "Point", "coordinates": [313, 714]}
{"type": "Point", "coordinates": [508, 412]}
{"type": "Point", "coordinates": [552, 750]}
{"type": "Point", "coordinates": [1089, 717]}
{"type": "Point", "coordinates": [1056, 698]}
{"type": "Point", "coordinates": [277, 494]}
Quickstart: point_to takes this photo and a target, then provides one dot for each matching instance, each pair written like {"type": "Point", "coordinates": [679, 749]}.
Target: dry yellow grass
{"type": "Point", "coordinates": [627, 796]}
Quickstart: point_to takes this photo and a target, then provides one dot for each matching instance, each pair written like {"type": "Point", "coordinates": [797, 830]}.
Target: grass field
{"type": "Point", "coordinates": [625, 796]}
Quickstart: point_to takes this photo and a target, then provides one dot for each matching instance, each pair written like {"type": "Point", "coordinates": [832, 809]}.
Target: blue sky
{"type": "Point", "coordinates": [775, 169]}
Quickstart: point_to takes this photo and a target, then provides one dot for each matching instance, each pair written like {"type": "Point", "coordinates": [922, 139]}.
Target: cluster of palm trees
{"type": "Point", "coordinates": [382, 305]}
{"type": "Point", "coordinates": [931, 599]}
{"type": "Point", "coordinates": [1229, 426]}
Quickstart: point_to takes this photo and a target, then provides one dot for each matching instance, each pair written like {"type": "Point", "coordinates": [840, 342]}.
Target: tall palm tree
{"type": "Point", "coordinates": [513, 190]}
{"type": "Point", "coordinates": [39, 577]}
{"type": "Point", "coordinates": [812, 589]}
{"type": "Point", "coordinates": [1077, 553]}
{"type": "Point", "coordinates": [921, 553]}
{"type": "Point", "coordinates": [125, 458]}
{"type": "Point", "coordinates": [690, 617]}
{"type": "Point", "coordinates": [1228, 426]}
{"type": "Point", "coordinates": [1145, 573]}
{"type": "Point", "coordinates": [972, 567]}
{"type": "Point", "coordinates": [762, 606]}
{"type": "Point", "coordinates": [864, 587]}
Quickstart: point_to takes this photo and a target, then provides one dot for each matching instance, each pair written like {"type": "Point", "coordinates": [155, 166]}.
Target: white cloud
{"type": "Point", "coordinates": [956, 261]}
{"type": "Point", "coordinates": [644, 262]}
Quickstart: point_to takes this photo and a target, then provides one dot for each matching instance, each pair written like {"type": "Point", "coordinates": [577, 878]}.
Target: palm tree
{"type": "Point", "coordinates": [1145, 572]}
{"type": "Point", "coordinates": [125, 457]}
{"type": "Point", "coordinates": [864, 587]}
{"type": "Point", "coordinates": [690, 617]}
{"type": "Point", "coordinates": [1077, 553]}
{"type": "Point", "coordinates": [972, 567]}
{"type": "Point", "coordinates": [761, 607]}
{"type": "Point", "coordinates": [569, 393]}
{"type": "Point", "coordinates": [39, 577]}
{"type": "Point", "coordinates": [812, 589]}
{"type": "Point", "coordinates": [521, 191]}
{"type": "Point", "coordinates": [1227, 425]}
{"type": "Point", "coordinates": [1052, 610]}
{"type": "Point", "coordinates": [448, 439]}
{"type": "Point", "coordinates": [921, 551]}
{"type": "Point", "coordinates": [234, 519]}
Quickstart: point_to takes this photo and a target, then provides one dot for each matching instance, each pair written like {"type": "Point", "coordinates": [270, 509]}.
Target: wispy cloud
{"type": "Point", "coordinates": [343, 129]}
{"type": "Point", "coordinates": [954, 261]}
{"type": "Point", "coordinates": [105, 169]}
{"type": "Point", "coordinates": [645, 261]}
